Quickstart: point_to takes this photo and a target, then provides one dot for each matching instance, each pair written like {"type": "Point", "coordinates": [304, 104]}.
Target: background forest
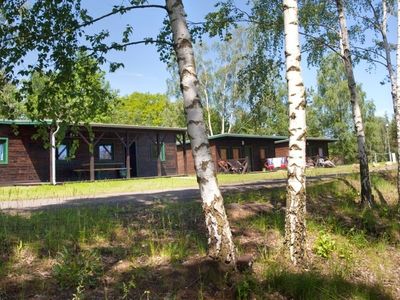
{"type": "Point", "coordinates": [243, 92]}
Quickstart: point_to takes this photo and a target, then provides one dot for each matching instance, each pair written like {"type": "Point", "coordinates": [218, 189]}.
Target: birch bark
{"type": "Point", "coordinates": [220, 242]}
{"type": "Point", "coordinates": [366, 195]}
{"type": "Point", "coordinates": [295, 224]}
{"type": "Point", "coordinates": [397, 104]}
{"type": "Point", "coordinates": [205, 89]}
{"type": "Point", "coordinates": [393, 84]}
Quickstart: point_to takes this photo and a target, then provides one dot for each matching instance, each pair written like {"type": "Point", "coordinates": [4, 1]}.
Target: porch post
{"type": "Point", "coordinates": [184, 153]}
{"type": "Point", "coordinates": [158, 155]}
{"type": "Point", "coordinates": [91, 163]}
{"type": "Point", "coordinates": [128, 156]}
{"type": "Point", "coordinates": [53, 155]}
{"type": "Point", "coordinates": [51, 171]}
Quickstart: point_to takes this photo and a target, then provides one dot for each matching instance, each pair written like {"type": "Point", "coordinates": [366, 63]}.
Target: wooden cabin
{"type": "Point", "coordinates": [315, 147]}
{"type": "Point", "coordinates": [232, 146]}
{"type": "Point", "coordinates": [119, 151]}
{"type": "Point", "coordinates": [254, 148]}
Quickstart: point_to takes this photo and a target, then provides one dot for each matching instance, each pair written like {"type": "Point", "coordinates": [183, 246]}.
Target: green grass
{"type": "Point", "coordinates": [109, 187]}
{"type": "Point", "coordinates": [130, 252]}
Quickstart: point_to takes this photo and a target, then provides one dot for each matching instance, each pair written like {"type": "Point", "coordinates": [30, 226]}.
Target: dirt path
{"type": "Point", "coordinates": [142, 198]}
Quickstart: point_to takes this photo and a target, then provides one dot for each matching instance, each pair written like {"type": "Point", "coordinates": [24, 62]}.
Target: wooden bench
{"type": "Point", "coordinates": [98, 170]}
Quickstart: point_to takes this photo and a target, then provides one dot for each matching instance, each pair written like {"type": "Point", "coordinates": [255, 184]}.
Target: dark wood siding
{"type": "Point", "coordinates": [28, 161]}
{"type": "Point", "coordinates": [281, 150]}
{"type": "Point", "coordinates": [231, 145]}
{"type": "Point", "coordinates": [312, 149]}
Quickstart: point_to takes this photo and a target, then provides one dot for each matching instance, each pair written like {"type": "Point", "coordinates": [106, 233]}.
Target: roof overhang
{"type": "Point", "coordinates": [95, 125]}
{"type": "Point", "coordinates": [316, 139]}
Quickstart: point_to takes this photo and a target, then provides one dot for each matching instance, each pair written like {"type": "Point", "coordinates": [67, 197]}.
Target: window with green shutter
{"type": "Point", "coordinates": [3, 151]}
{"type": "Point", "coordinates": [162, 152]}
{"type": "Point", "coordinates": [154, 152]}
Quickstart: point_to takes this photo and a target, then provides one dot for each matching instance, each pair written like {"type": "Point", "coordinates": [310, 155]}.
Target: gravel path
{"type": "Point", "coordinates": [142, 198]}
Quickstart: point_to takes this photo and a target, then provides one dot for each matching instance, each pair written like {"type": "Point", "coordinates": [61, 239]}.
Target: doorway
{"type": "Point", "coordinates": [132, 153]}
{"type": "Point", "coordinates": [248, 153]}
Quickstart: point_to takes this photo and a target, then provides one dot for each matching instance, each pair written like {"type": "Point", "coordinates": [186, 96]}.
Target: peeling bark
{"type": "Point", "coordinates": [366, 194]}
{"type": "Point", "coordinates": [397, 102]}
{"type": "Point", "coordinates": [295, 223]}
{"type": "Point", "coordinates": [220, 242]}
{"type": "Point", "coordinates": [393, 82]}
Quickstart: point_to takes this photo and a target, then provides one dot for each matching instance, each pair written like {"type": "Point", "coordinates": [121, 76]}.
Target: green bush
{"type": "Point", "coordinates": [324, 245]}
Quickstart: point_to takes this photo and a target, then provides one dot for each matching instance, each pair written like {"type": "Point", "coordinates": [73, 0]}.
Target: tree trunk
{"type": "Point", "coordinates": [397, 103]}
{"type": "Point", "coordinates": [366, 195]}
{"type": "Point", "coordinates": [220, 242]}
{"type": "Point", "coordinates": [205, 85]}
{"type": "Point", "coordinates": [295, 225]}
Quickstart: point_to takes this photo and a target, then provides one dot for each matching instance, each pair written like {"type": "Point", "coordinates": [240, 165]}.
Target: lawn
{"type": "Point", "coordinates": [159, 252]}
{"type": "Point", "coordinates": [109, 187]}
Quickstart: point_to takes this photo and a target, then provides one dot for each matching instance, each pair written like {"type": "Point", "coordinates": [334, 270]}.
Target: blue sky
{"type": "Point", "coordinates": [144, 72]}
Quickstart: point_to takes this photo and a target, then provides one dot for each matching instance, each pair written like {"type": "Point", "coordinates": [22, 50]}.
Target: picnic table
{"type": "Point", "coordinates": [99, 168]}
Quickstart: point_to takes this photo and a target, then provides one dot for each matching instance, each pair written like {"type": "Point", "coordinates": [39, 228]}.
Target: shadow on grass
{"type": "Point", "coordinates": [312, 285]}
{"type": "Point", "coordinates": [203, 279]}
{"type": "Point", "coordinates": [98, 238]}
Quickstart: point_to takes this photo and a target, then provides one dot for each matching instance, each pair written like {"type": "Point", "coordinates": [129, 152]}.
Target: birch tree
{"type": "Point", "coordinates": [52, 29]}
{"type": "Point", "coordinates": [220, 242]}
{"type": "Point", "coordinates": [397, 97]}
{"type": "Point", "coordinates": [374, 16]}
{"type": "Point", "coordinates": [295, 226]}
{"type": "Point", "coordinates": [366, 194]}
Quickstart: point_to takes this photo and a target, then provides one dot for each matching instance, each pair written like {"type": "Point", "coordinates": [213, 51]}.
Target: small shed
{"type": "Point", "coordinates": [315, 146]}
{"type": "Point", "coordinates": [119, 151]}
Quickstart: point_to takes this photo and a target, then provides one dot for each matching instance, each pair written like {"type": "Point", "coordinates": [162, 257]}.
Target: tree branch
{"type": "Point", "coordinates": [119, 11]}
{"type": "Point", "coordinates": [116, 46]}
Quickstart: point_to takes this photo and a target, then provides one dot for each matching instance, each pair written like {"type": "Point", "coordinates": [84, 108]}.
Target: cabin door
{"type": "Point", "coordinates": [248, 153]}
{"type": "Point", "coordinates": [132, 153]}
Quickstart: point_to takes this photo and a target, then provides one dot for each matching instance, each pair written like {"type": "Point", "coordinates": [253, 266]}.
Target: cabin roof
{"type": "Point", "coordinates": [317, 139]}
{"type": "Point", "coordinates": [95, 125]}
{"type": "Point", "coordinates": [246, 136]}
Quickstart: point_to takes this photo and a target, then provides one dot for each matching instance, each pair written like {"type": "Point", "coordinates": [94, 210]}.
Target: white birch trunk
{"type": "Point", "coordinates": [208, 112]}
{"type": "Point", "coordinates": [205, 85]}
{"type": "Point", "coordinates": [295, 226]}
{"type": "Point", "coordinates": [220, 242]}
{"type": "Point", "coordinates": [366, 195]}
{"type": "Point", "coordinates": [397, 102]}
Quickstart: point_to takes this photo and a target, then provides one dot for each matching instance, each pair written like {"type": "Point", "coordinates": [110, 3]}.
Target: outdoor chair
{"type": "Point", "coordinates": [224, 166]}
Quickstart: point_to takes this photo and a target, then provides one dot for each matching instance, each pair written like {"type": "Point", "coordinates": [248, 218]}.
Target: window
{"type": "Point", "coordinates": [154, 152]}
{"type": "Point", "coordinates": [62, 152]}
{"type": "Point", "coordinates": [236, 153]}
{"type": "Point", "coordinates": [106, 152]}
{"type": "Point", "coordinates": [262, 153]}
{"type": "Point", "coordinates": [223, 153]}
{"type": "Point", "coordinates": [3, 151]}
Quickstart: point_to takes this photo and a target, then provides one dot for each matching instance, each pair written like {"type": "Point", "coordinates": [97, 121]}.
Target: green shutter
{"type": "Point", "coordinates": [162, 152]}
{"type": "Point", "coordinates": [3, 151]}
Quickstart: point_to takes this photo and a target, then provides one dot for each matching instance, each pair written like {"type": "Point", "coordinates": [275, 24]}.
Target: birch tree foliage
{"type": "Point", "coordinates": [219, 65]}
{"type": "Point", "coordinates": [331, 103]}
{"type": "Point", "coordinates": [380, 50]}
